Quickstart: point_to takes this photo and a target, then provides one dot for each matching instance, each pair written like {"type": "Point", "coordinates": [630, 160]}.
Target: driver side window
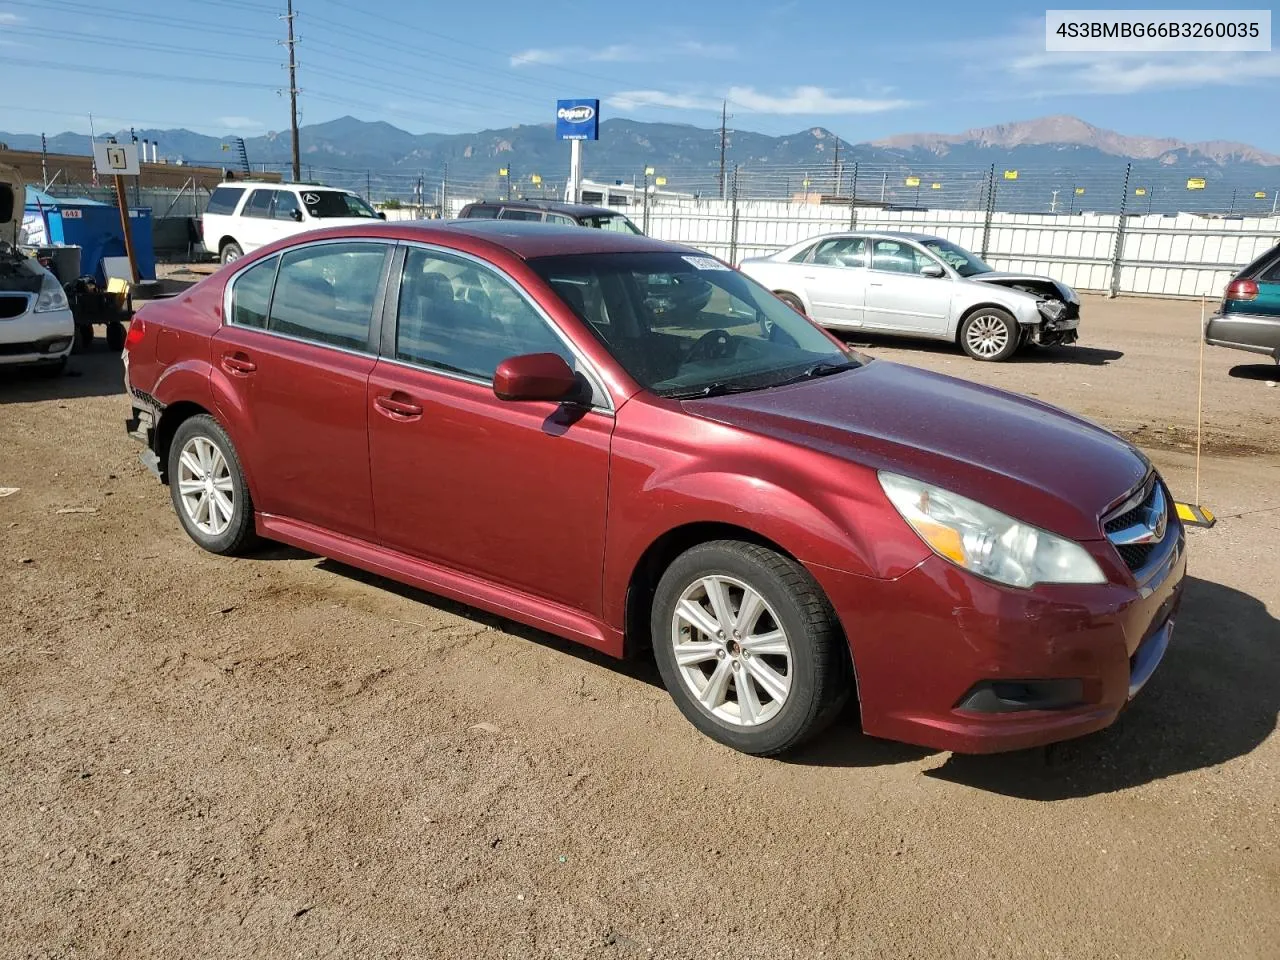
{"type": "Point", "coordinates": [286, 207]}
{"type": "Point", "coordinates": [896, 256]}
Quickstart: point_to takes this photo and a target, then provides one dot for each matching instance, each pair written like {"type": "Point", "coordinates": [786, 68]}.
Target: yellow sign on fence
{"type": "Point", "coordinates": [1260, 195]}
{"type": "Point", "coordinates": [1079, 191]}
{"type": "Point", "coordinates": [1140, 192]}
{"type": "Point", "coordinates": [502, 172]}
{"type": "Point", "coordinates": [535, 179]}
{"type": "Point", "coordinates": [1195, 183]}
{"type": "Point", "coordinates": [661, 181]}
{"type": "Point", "coordinates": [935, 186]}
{"type": "Point", "coordinates": [913, 181]}
{"type": "Point", "coordinates": [1011, 174]}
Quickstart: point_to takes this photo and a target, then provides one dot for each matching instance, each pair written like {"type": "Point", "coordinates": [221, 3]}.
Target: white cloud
{"type": "Point", "coordinates": [1109, 73]}
{"type": "Point", "coordinates": [801, 100]}
{"type": "Point", "coordinates": [808, 100]}
{"type": "Point", "coordinates": [535, 56]}
{"type": "Point", "coordinates": [10, 18]}
{"type": "Point", "coordinates": [654, 52]}
{"type": "Point", "coordinates": [635, 99]}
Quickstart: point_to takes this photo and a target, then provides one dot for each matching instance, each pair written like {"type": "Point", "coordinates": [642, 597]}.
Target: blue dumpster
{"type": "Point", "coordinates": [95, 228]}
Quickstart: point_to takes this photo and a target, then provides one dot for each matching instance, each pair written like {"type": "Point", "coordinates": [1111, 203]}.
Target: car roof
{"type": "Point", "coordinates": [550, 206]}
{"type": "Point", "coordinates": [281, 186]}
{"type": "Point", "coordinates": [891, 234]}
{"type": "Point", "coordinates": [523, 238]}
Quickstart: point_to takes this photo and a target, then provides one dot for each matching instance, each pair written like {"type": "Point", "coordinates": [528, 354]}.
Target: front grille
{"type": "Point", "coordinates": [13, 305]}
{"type": "Point", "coordinates": [1140, 524]}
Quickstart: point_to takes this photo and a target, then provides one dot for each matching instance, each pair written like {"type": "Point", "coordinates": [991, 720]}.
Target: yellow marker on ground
{"type": "Point", "coordinates": [1195, 516]}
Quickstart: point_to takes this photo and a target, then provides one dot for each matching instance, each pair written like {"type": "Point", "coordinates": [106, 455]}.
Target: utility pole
{"type": "Point", "coordinates": [836, 180]}
{"type": "Point", "coordinates": [293, 93]}
{"type": "Point", "coordinates": [1053, 204]}
{"type": "Point", "coordinates": [368, 186]}
{"type": "Point", "coordinates": [44, 161]}
{"type": "Point", "coordinates": [724, 136]}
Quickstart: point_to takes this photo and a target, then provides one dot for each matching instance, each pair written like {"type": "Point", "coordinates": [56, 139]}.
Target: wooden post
{"type": "Point", "coordinates": [123, 203]}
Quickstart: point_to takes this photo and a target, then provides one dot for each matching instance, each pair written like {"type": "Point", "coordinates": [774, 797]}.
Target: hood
{"type": "Point", "coordinates": [1036, 285]}
{"type": "Point", "coordinates": [1032, 461]}
{"type": "Point", "coordinates": [13, 199]}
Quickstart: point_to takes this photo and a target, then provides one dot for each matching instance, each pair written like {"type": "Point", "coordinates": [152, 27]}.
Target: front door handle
{"type": "Point", "coordinates": [238, 363]}
{"type": "Point", "coordinates": [397, 408]}
{"type": "Point", "coordinates": [875, 284]}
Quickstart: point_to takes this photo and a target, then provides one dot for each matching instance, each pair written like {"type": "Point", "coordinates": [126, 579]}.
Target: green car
{"type": "Point", "coordinates": [1249, 318]}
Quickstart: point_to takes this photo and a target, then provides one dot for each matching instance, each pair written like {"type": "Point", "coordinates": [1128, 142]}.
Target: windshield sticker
{"type": "Point", "coordinates": [310, 198]}
{"type": "Point", "coordinates": [704, 263]}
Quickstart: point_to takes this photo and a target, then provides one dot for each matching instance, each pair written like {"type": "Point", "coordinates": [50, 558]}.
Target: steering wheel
{"type": "Point", "coordinates": [712, 345]}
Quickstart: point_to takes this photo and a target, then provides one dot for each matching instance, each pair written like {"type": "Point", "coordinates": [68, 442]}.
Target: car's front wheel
{"type": "Point", "coordinates": [748, 646]}
{"type": "Point", "coordinates": [208, 487]}
{"type": "Point", "coordinates": [990, 333]}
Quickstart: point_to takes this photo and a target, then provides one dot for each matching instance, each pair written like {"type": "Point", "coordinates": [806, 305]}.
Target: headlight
{"type": "Point", "coordinates": [985, 541]}
{"type": "Point", "coordinates": [52, 296]}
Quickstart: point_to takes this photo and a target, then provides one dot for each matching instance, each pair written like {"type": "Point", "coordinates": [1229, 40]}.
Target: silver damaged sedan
{"type": "Point", "coordinates": [913, 284]}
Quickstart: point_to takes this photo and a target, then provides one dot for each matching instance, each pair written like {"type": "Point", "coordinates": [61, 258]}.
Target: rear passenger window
{"type": "Point", "coordinates": [1271, 275]}
{"type": "Point", "coordinates": [510, 214]}
{"type": "Point", "coordinates": [462, 318]}
{"type": "Point", "coordinates": [286, 207]}
{"type": "Point", "coordinates": [259, 204]}
{"type": "Point", "coordinates": [325, 293]}
{"type": "Point", "coordinates": [224, 200]}
{"type": "Point", "coordinates": [251, 294]}
{"type": "Point", "coordinates": [482, 213]}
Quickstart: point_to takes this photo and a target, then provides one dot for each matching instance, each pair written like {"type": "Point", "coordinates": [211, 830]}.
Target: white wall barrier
{"type": "Point", "coordinates": [1182, 256]}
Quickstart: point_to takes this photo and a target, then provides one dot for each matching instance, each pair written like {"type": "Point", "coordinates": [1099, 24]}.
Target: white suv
{"type": "Point", "coordinates": [36, 325]}
{"type": "Point", "coordinates": [243, 215]}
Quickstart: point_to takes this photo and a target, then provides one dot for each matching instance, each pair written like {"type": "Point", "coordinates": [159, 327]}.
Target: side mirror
{"type": "Point", "coordinates": [536, 376]}
{"type": "Point", "coordinates": [932, 270]}
{"type": "Point", "coordinates": [296, 215]}
{"type": "Point", "coordinates": [382, 215]}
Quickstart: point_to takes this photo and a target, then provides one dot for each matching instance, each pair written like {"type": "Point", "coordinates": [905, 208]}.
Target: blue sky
{"type": "Point", "coordinates": [863, 70]}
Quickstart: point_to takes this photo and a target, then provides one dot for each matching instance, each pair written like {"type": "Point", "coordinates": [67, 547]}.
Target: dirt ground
{"type": "Point", "coordinates": [283, 757]}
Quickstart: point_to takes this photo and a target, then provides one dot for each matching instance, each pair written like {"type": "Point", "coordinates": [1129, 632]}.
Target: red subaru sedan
{"type": "Point", "coordinates": [629, 444]}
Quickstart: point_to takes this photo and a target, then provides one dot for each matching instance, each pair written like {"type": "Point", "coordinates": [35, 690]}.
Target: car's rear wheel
{"type": "Point", "coordinates": [748, 646]}
{"type": "Point", "coordinates": [208, 487]}
{"type": "Point", "coordinates": [791, 300]}
{"type": "Point", "coordinates": [230, 252]}
{"type": "Point", "coordinates": [991, 334]}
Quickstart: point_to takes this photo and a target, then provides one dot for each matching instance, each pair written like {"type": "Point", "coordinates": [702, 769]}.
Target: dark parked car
{"type": "Point", "coordinates": [1249, 318]}
{"type": "Point", "coordinates": [495, 412]}
{"type": "Point", "coordinates": [550, 211]}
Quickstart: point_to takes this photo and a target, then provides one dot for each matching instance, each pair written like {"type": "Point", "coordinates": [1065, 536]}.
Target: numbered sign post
{"type": "Point", "coordinates": [120, 160]}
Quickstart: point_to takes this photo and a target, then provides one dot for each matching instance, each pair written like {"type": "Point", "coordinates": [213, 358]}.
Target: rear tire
{"type": "Point", "coordinates": [208, 488]}
{"type": "Point", "coordinates": [990, 334]}
{"type": "Point", "coordinates": [792, 301]}
{"type": "Point", "coordinates": [768, 671]}
{"type": "Point", "coordinates": [230, 252]}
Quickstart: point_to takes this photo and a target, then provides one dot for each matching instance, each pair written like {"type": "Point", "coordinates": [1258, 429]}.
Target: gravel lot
{"type": "Point", "coordinates": [281, 756]}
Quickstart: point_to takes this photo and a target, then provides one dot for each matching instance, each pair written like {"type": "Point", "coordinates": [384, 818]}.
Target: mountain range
{"type": "Point", "coordinates": [1063, 149]}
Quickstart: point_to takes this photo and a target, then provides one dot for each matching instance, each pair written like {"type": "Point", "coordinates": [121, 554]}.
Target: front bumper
{"type": "Point", "coordinates": [947, 660]}
{"type": "Point", "coordinates": [37, 337]}
{"type": "Point", "coordinates": [1248, 332]}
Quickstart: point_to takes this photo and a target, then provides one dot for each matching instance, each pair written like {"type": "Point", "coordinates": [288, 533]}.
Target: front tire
{"type": "Point", "coordinates": [208, 488]}
{"type": "Point", "coordinates": [230, 252]}
{"type": "Point", "coordinates": [748, 647]}
{"type": "Point", "coordinates": [990, 334]}
{"type": "Point", "coordinates": [792, 301]}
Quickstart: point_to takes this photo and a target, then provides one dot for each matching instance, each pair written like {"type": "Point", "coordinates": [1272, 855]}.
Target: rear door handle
{"type": "Point", "coordinates": [397, 409]}
{"type": "Point", "coordinates": [875, 284]}
{"type": "Point", "coordinates": [238, 363]}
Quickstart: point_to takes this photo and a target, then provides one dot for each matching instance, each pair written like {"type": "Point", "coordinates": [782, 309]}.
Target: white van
{"type": "Point", "coordinates": [244, 215]}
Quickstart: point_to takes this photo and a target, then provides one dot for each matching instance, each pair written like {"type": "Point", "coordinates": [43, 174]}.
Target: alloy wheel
{"type": "Point", "coordinates": [731, 650]}
{"type": "Point", "coordinates": [986, 335]}
{"type": "Point", "coordinates": [205, 486]}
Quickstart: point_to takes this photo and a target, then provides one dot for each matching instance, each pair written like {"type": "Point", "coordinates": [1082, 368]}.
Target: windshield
{"type": "Point", "coordinates": [687, 326]}
{"type": "Point", "coordinates": [323, 204]}
{"type": "Point", "coordinates": [617, 224]}
{"type": "Point", "coordinates": [957, 258]}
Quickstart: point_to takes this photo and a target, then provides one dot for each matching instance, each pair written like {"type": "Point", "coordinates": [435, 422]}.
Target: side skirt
{"type": "Point", "coordinates": [519, 606]}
